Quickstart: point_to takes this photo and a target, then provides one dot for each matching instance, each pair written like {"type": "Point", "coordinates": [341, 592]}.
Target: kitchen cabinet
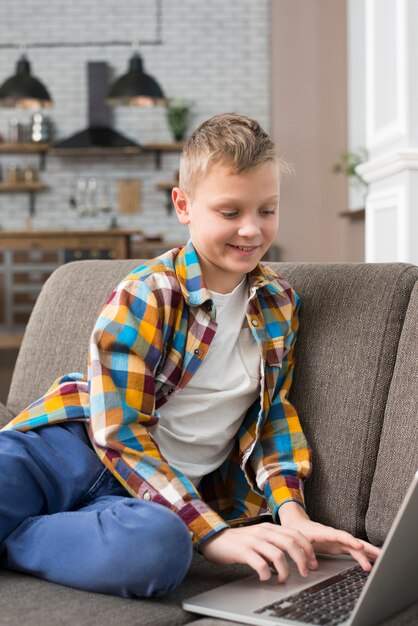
{"type": "Point", "coordinates": [28, 258]}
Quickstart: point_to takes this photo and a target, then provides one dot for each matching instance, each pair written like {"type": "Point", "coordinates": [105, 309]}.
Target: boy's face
{"type": "Point", "coordinates": [233, 219]}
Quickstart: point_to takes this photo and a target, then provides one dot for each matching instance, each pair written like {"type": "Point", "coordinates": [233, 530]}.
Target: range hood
{"type": "Point", "coordinates": [99, 137]}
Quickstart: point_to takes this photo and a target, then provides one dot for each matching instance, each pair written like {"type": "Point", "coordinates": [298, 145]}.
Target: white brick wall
{"type": "Point", "coordinates": [215, 53]}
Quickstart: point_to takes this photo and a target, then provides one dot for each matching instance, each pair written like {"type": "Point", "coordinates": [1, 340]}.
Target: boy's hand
{"type": "Point", "coordinates": [326, 539]}
{"type": "Point", "coordinates": [261, 547]}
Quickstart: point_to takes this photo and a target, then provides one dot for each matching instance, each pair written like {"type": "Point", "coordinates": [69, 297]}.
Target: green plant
{"type": "Point", "coordinates": [347, 165]}
{"type": "Point", "coordinates": [178, 111]}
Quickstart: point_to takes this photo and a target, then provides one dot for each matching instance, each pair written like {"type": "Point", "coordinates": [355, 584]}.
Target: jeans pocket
{"type": "Point", "coordinates": [105, 485]}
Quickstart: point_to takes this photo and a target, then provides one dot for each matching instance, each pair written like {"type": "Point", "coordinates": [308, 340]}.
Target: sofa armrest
{"type": "Point", "coordinates": [5, 415]}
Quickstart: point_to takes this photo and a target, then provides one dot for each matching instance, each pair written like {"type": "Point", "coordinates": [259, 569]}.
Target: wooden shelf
{"type": "Point", "coordinates": [10, 342]}
{"type": "Point", "coordinates": [160, 148]}
{"type": "Point", "coordinates": [23, 148]}
{"type": "Point", "coordinates": [41, 148]}
{"type": "Point", "coordinates": [166, 186]}
{"type": "Point", "coordinates": [96, 151]}
{"type": "Point", "coordinates": [22, 187]}
{"type": "Point", "coordinates": [354, 214]}
{"type": "Point", "coordinates": [176, 146]}
{"type": "Point", "coordinates": [34, 148]}
{"type": "Point", "coordinates": [29, 188]}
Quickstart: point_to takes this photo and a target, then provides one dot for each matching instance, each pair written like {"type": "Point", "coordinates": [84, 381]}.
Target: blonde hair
{"type": "Point", "coordinates": [227, 139]}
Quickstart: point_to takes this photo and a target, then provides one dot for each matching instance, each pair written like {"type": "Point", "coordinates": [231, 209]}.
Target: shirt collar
{"type": "Point", "coordinates": [192, 284]}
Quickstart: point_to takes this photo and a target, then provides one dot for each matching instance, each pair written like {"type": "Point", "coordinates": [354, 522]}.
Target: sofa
{"type": "Point", "coordinates": [355, 389]}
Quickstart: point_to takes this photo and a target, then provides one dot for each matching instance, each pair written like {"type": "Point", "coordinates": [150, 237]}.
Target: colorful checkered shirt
{"type": "Point", "coordinates": [151, 336]}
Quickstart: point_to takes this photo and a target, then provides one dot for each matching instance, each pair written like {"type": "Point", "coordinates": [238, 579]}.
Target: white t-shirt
{"type": "Point", "coordinates": [197, 426]}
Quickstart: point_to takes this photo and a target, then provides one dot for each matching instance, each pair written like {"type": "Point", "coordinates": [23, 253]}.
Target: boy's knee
{"type": "Point", "coordinates": [151, 548]}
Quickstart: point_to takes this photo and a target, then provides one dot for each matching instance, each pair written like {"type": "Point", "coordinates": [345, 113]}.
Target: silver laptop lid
{"type": "Point", "coordinates": [393, 582]}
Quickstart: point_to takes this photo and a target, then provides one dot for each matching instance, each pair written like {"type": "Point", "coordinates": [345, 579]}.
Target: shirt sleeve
{"type": "Point", "coordinates": [125, 349]}
{"type": "Point", "coordinates": [281, 459]}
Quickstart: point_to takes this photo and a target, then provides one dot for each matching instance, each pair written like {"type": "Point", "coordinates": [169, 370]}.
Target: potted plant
{"type": "Point", "coordinates": [178, 111]}
{"type": "Point", "coordinates": [347, 165]}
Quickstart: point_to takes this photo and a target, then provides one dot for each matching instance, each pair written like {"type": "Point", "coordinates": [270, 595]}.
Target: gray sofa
{"type": "Point", "coordinates": [355, 388]}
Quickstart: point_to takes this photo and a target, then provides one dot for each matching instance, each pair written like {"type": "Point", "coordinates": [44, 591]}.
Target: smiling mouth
{"type": "Point", "coordinates": [244, 248]}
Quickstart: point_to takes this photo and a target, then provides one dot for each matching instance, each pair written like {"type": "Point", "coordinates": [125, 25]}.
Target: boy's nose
{"type": "Point", "coordinates": [249, 228]}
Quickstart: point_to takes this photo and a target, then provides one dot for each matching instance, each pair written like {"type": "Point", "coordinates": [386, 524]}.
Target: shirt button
{"type": "Point", "coordinates": [147, 496]}
{"type": "Point", "coordinates": [254, 322]}
{"type": "Point", "coordinates": [197, 352]}
{"type": "Point", "coordinates": [191, 534]}
{"type": "Point", "coordinates": [170, 391]}
{"type": "Point", "coordinates": [209, 306]}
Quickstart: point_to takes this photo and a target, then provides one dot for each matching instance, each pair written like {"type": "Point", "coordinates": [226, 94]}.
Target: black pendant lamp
{"type": "Point", "coordinates": [23, 89]}
{"type": "Point", "coordinates": [135, 88]}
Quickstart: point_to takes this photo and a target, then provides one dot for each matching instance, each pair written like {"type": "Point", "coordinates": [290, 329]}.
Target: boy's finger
{"type": "Point", "coordinates": [370, 548]}
{"type": "Point", "coordinates": [258, 564]}
{"type": "Point", "coordinates": [298, 538]}
{"type": "Point", "coordinates": [349, 540]}
{"type": "Point", "coordinates": [361, 560]}
{"type": "Point", "coordinates": [274, 556]}
{"type": "Point", "coordinates": [294, 548]}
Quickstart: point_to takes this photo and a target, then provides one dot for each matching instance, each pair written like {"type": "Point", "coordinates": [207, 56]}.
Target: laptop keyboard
{"type": "Point", "coordinates": [329, 602]}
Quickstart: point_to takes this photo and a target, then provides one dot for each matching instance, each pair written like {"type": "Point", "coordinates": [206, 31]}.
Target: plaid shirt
{"type": "Point", "coordinates": [150, 338]}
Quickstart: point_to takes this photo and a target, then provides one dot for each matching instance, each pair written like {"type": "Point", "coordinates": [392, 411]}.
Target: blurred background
{"type": "Point", "coordinates": [87, 164]}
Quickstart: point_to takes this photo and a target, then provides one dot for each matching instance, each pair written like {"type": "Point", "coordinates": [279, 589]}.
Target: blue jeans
{"type": "Point", "coordinates": [65, 518]}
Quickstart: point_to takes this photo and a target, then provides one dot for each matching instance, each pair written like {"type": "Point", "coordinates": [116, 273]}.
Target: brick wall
{"type": "Point", "coordinates": [215, 53]}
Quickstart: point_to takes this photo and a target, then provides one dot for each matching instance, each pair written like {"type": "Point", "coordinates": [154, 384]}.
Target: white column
{"type": "Point", "coordinates": [391, 34]}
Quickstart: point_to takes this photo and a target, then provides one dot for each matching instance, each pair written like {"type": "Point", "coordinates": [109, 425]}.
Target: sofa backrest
{"type": "Point", "coordinates": [351, 320]}
{"type": "Point", "coordinates": [350, 323]}
{"type": "Point", "coordinates": [397, 460]}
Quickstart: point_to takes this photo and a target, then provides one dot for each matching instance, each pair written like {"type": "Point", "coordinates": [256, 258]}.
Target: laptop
{"type": "Point", "coordinates": [339, 592]}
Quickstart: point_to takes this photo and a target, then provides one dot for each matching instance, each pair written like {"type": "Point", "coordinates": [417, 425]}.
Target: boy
{"type": "Point", "coordinates": [184, 423]}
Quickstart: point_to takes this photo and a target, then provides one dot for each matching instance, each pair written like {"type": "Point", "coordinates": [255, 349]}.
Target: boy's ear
{"type": "Point", "coordinates": [181, 204]}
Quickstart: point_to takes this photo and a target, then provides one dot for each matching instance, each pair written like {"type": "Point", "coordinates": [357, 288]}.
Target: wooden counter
{"type": "Point", "coordinates": [28, 258]}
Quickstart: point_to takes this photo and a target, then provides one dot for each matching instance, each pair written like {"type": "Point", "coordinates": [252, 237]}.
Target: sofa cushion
{"type": "Point", "coordinates": [45, 603]}
{"type": "Point", "coordinates": [350, 322]}
{"type": "Point", "coordinates": [398, 452]}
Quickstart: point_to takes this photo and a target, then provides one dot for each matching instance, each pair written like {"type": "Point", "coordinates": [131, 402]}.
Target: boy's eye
{"type": "Point", "coordinates": [229, 214]}
{"type": "Point", "coordinates": [268, 211]}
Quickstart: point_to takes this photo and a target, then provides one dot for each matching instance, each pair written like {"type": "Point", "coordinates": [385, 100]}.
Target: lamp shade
{"type": "Point", "coordinates": [135, 88]}
{"type": "Point", "coordinates": [23, 89]}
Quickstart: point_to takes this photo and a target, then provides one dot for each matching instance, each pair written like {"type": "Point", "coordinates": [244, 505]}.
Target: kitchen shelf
{"type": "Point", "coordinates": [160, 148]}
{"type": "Point", "coordinates": [176, 146]}
{"type": "Point", "coordinates": [353, 214]}
{"type": "Point", "coordinates": [157, 148]}
{"type": "Point", "coordinates": [96, 151]}
{"type": "Point", "coordinates": [167, 186]}
{"type": "Point", "coordinates": [23, 148]}
{"type": "Point", "coordinates": [22, 187]}
{"type": "Point", "coordinates": [27, 148]}
{"type": "Point", "coordinates": [29, 188]}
